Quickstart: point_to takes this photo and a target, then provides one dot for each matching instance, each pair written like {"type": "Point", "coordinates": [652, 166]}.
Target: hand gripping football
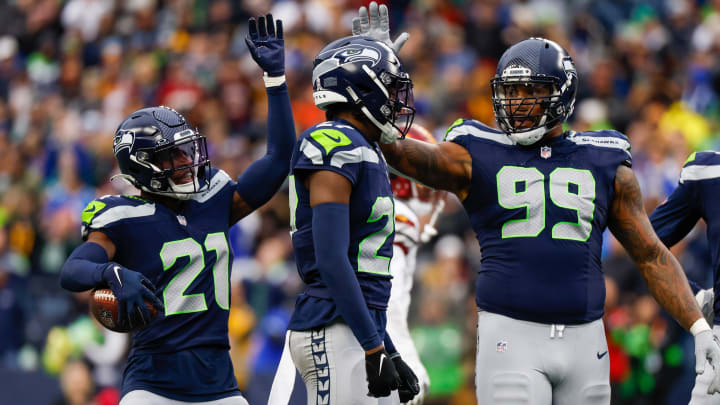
{"type": "Point", "coordinates": [104, 307]}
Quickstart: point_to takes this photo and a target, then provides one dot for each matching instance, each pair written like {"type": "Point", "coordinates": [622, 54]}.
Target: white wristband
{"type": "Point", "coordinates": [273, 81]}
{"type": "Point", "coordinates": [700, 325]}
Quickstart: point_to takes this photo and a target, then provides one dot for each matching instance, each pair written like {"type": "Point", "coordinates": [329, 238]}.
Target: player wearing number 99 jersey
{"type": "Point", "coordinates": [169, 244]}
{"type": "Point", "coordinates": [539, 199]}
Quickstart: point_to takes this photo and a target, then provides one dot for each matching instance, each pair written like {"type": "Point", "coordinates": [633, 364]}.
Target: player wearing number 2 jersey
{"type": "Point", "coordinates": [539, 199]}
{"type": "Point", "coordinates": [342, 225]}
{"type": "Point", "coordinates": [169, 244]}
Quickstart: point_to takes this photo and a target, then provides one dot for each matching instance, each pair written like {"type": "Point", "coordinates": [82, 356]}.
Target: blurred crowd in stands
{"type": "Point", "coordinates": [70, 70]}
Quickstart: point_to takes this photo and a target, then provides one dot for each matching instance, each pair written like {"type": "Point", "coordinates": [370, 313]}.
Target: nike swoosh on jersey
{"type": "Point", "coordinates": [117, 275]}
{"type": "Point", "coordinates": [382, 358]}
{"type": "Point", "coordinates": [601, 355]}
{"type": "Point", "coordinates": [337, 140]}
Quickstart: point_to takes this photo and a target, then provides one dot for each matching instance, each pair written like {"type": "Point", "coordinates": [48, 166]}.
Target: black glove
{"type": "Point", "coordinates": [131, 290]}
{"type": "Point", "coordinates": [267, 45]}
{"type": "Point", "coordinates": [409, 386]}
{"type": "Point", "coordinates": [381, 375]}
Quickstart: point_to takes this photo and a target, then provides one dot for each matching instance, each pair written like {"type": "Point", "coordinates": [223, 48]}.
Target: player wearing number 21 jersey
{"type": "Point", "coordinates": [169, 244]}
{"type": "Point", "coordinates": [539, 199]}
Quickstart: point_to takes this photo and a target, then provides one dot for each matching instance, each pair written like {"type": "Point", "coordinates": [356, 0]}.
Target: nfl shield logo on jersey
{"type": "Point", "coordinates": [545, 152]}
{"type": "Point", "coordinates": [501, 346]}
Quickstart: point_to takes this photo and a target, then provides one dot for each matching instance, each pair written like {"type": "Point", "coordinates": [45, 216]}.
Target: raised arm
{"type": "Point", "coordinates": [265, 176]}
{"type": "Point", "coordinates": [442, 166]}
{"type": "Point", "coordinates": [662, 272]}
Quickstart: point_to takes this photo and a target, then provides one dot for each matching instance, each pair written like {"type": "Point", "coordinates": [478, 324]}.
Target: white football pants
{"type": "Point", "coordinates": [142, 397]}
{"type": "Point", "coordinates": [331, 362]}
{"type": "Point", "coordinates": [540, 364]}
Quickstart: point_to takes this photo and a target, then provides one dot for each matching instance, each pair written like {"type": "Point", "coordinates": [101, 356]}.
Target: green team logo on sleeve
{"type": "Point", "coordinates": [330, 139]}
{"type": "Point", "coordinates": [89, 213]}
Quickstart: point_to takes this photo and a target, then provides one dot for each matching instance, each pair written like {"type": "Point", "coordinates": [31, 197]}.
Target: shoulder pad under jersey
{"type": "Point", "coordinates": [701, 166]}
{"type": "Point", "coordinates": [476, 130]}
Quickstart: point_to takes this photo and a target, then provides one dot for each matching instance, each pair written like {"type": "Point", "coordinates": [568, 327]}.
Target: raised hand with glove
{"type": "Point", "coordinates": [376, 24]}
{"type": "Point", "coordinates": [266, 44]}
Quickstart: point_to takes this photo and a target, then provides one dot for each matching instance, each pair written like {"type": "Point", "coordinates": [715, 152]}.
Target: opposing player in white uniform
{"type": "Point", "coordinates": [413, 204]}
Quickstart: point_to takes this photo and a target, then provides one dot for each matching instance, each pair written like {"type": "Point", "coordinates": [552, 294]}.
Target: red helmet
{"type": "Point", "coordinates": [421, 199]}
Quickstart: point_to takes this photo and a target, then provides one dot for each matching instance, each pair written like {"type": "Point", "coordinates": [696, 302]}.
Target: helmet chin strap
{"type": "Point", "coordinates": [388, 133]}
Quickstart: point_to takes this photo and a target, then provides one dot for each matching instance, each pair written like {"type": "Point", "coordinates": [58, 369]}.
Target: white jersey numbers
{"type": "Point", "coordinates": [174, 297]}
{"type": "Point", "coordinates": [368, 259]}
{"type": "Point", "coordinates": [524, 187]}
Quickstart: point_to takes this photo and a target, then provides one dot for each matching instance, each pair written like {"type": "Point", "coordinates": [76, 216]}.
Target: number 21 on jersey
{"type": "Point", "coordinates": [175, 299]}
{"type": "Point", "coordinates": [524, 187]}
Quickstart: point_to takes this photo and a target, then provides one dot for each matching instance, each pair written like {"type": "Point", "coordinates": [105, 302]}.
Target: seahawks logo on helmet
{"type": "Point", "coordinates": [123, 140]}
{"type": "Point", "coordinates": [356, 53]}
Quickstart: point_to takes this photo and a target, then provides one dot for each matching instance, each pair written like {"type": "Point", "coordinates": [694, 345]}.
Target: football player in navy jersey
{"type": "Point", "coordinates": [342, 226]}
{"type": "Point", "coordinates": [411, 204]}
{"type": "Point", "coordinates": [539, 199]}
{"type": "Point", "coordinates": [694, 198]}
{"type": "Point", "coordinates": [169, 244]}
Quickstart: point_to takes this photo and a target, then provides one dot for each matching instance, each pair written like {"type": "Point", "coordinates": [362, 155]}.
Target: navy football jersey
{"type": "Point", "coordinates": [539, 212]}
{"type": "Point", "coordinates": [338, 147]}
{"type": "Point", "coordinates": [186, 256]}
{"type": "Point", "coordinates": [695, 197]}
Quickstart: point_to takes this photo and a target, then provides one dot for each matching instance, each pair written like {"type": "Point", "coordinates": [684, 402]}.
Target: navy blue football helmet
{"type": "Point", "coordinates": [551, 79]}
{"type": "Point", "coordinates": [159, 152]}
{"type": "Point", "coordinates": [365, 72]}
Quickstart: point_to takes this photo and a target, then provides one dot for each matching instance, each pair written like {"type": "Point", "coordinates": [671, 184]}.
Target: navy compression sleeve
{"type": "Point", "coordinates": [675, 217]}
{"type": "Point", "coordinates": [265, 176]}
{"type": "Point", "coordinates": [83, 269]}
{"type": "Point", "coordinates": [331, 238]}
{"type": "Point", "coordinates": [389, 346]}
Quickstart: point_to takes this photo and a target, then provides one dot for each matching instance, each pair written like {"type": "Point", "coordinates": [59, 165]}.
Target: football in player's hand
{"type": "Point", "coordinates": [104, 307]}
